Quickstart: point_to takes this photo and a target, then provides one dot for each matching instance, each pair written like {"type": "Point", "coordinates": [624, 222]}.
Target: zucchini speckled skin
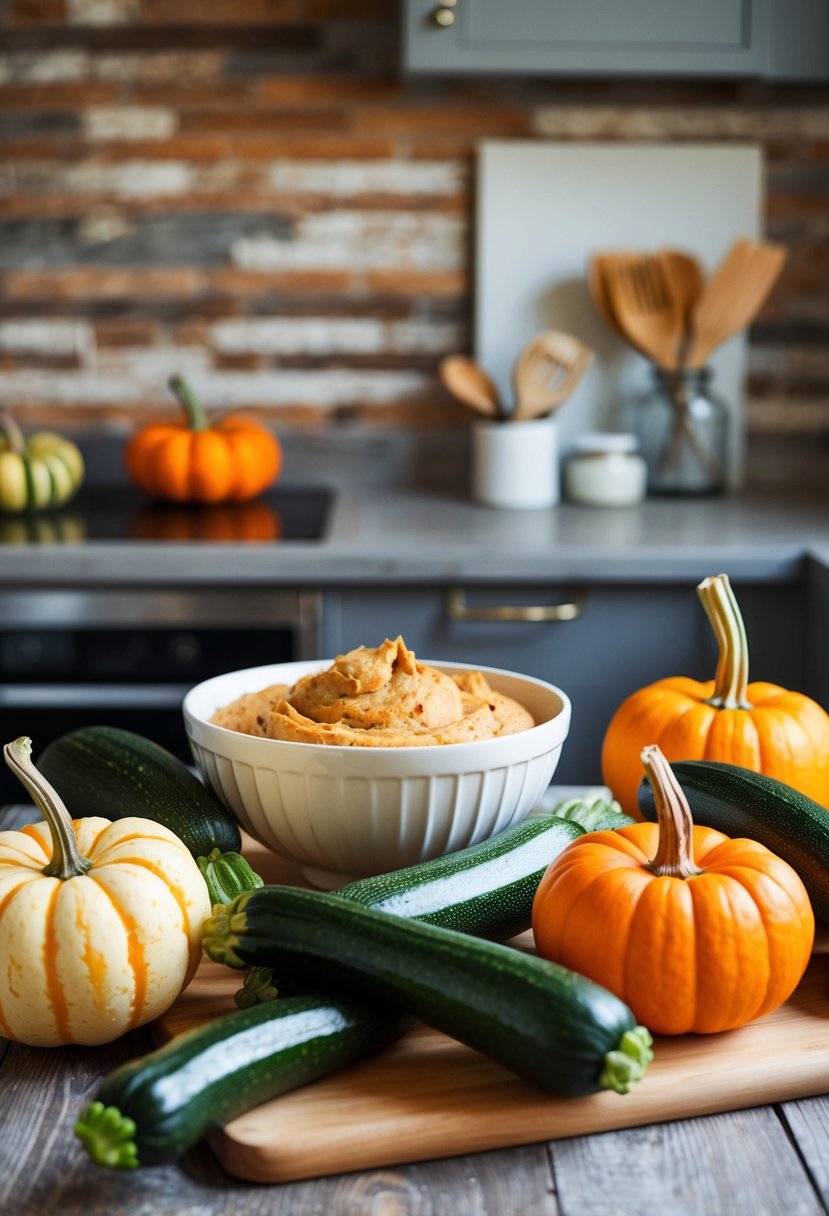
{"type": "Point", "coordinates": [545, 1023]}
{"type": "Point", "coordinates": [486, 889]}
{"type": "Point", "coordinates": [114, 773]}
{"type": "Point", "coordinates": [738, 802]}
{"type": "Point", "coordinates": [152, 1109]}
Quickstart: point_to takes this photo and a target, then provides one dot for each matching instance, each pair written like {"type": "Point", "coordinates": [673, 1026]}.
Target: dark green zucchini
{"type": "Point", "coordinates": [103, 770]}
{"type": "Point", "coordinates": [486, 889]}
{"type": "Point", "coordinates": [152, 1109]}
{"type": "Point", "coordinates": [738, 802]}
{"type": "Point", "coordinates": [547, 1024]}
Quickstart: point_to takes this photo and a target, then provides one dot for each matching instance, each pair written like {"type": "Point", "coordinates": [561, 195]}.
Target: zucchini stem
{"type": "Point", "coordinates": [67, 860]}
{"type": "Point", "coordinates": [227, 875]}
{"type": "Point", "coordinates": [722, 610]}
{"type": "Point", "coordinates": [629, 1062]}
{"type": "Point", "coordinates": [108, 1136]}
{"type": "Point", "coordinates": [257, 989]}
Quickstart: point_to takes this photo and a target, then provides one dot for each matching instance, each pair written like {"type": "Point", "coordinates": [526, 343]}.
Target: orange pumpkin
{"type": "Point", "coordinates": [757, 726]}
{"type": "Point", "coordinates": [693, 930]}
{"type": "Point", "coordinates": [198, 461]}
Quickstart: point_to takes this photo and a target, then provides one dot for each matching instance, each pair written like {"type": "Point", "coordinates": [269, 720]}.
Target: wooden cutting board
{"type": "Point", "coordinates": [427, 1096]}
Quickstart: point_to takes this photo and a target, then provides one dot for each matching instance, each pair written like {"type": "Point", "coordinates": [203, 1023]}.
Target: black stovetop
{"type": "Point", "coordinates": [121, 513]}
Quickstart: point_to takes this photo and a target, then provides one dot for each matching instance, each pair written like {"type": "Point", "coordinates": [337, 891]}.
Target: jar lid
{"type": "Point", "coordinates": [605, 441]}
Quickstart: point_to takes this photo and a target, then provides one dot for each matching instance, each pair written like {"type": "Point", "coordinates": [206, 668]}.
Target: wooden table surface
{"type": "Point", "coordinates": [767, 1161]}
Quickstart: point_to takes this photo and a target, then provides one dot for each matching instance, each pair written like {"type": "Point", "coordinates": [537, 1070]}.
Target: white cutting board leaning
{"type": "Point", "coordinates": [543, 208]}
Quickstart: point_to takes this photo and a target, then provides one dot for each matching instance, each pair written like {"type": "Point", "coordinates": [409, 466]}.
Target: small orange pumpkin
{"type": "Point", "coordinates": [757, 726]}
{"type": "Point", "coordinates": [199, 461]}
{"type": "Point", "coordinates": [695, 931]}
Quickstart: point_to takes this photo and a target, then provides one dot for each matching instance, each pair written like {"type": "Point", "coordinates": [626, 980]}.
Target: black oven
{"type": "Point", "coordinates": [126, 657]}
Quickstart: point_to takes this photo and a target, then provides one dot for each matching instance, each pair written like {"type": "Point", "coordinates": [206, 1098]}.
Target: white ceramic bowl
{"type": "Point", "coordinates": [343, 812]}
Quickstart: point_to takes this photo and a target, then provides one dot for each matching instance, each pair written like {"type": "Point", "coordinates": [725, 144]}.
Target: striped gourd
{"type": "Point", "coordinates": [43, 470]}
{"type": "Point", "coordinates": [100, 922]}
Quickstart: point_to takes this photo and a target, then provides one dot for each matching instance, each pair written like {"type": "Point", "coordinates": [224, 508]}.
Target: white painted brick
{"type": "Point", "coordinates": [46, 336]}
{"type": "Point", "coordinates": [129, 122]}
{"type": "Point", "coordinates": [45, 67]}
{"type": "Point", "coordinates": [343, 178]}
{"type": "Point", "coordinates": [217, 390]}
{"type": "Point", "coordinates": [355, 240]}
{"type": "Point", "coordinates": [332, 336]}
{"type": "Point", "coordinates": [102, 12]}
{"type": "Point", "coordinates": [158, 66]}
{"type": "Point", "coordinates": [129, 179]}
{"type": "Point", "coordinates": [689, 122]}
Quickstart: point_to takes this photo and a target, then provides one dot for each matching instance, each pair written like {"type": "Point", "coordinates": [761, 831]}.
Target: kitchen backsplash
{"type": "Point", "coordinates": [249, 192]}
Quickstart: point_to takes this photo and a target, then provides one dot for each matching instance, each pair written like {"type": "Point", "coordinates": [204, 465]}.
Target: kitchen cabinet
{"type": "Point", "coordinates": [613, 640]}
{"type": "Point", "coordinates": [730, 39]}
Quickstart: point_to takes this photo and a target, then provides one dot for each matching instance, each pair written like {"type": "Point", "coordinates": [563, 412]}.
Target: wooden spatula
{"type": "Point", "coordinates": [597, 286]}
{"type": "Point", "coordinates": [469, 383]}
{"type": "Point", "coordinates": [684, 277]}
{"type": "Point", "coordinates": [733, 295]}
{"type": "Point", "coordinates": [645, 308]}
{"type": "Point", "coordinates": [546, 373]}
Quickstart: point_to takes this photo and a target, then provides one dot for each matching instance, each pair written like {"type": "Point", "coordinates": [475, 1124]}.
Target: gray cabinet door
{"type": "Point", "coordinates": [783, 39]}
{"type": "Point", "coordinates": [624, 638]}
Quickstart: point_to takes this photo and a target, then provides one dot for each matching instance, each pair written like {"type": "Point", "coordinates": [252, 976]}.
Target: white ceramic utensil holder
{"type": "Point", "coordinates": [515, 464]}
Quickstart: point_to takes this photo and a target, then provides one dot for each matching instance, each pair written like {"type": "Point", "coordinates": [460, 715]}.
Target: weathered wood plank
{"type": "Point", "coordinates": [808, 1124]}
{"type": "Point", "coordinates": [740, 1164]}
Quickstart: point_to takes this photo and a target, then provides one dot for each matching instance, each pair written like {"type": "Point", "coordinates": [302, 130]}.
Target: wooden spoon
{"type": "Point", "coordinates": [546, 373]}
{"type": "Point", "coordinates": [469, 383]}
{"type": "Point", "coordinates": [645, 308]}
{"type": "Point", "coordinates": [733, 295]}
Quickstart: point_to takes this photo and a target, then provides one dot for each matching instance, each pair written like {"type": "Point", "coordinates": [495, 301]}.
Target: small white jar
{"type": "Point", "coordinates": [605, 469]}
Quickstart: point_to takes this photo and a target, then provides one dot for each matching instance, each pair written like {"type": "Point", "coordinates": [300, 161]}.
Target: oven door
{"type": "Point", "coordinates": [127, 658]}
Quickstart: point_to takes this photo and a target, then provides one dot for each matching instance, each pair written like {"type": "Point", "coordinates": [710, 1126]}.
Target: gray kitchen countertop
{"type": "Point", "coordinates": [401, 513]}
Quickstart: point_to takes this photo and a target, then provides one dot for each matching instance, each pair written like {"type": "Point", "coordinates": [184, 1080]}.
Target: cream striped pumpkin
{"type": "Point", "coordinates": [88, 956]}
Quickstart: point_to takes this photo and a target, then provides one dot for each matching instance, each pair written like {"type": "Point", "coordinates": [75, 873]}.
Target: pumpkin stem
{"type": "Point", "coordinates": [13, 433]}
{"type": "Point", "coordinates": [67, 859]}
{"type": "Point", "coordinates": [189, 402]}
{"type": "Point", "coordinates": [675, 853]}
{"type": "Point", "coordinates": [722, 611]}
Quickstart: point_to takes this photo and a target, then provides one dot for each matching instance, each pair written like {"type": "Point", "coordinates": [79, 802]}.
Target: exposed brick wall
{"type": "Point", "coordinates": [249, 192]}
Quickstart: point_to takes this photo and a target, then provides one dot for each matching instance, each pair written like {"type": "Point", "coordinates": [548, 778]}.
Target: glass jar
{"type": "Point", "coordinates": [683, 428]}
{"type": "Point", "coordinates": [605, 470]}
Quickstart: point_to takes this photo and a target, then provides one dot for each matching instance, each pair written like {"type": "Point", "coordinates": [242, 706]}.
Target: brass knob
{"type": "Point", "coordinates": [443, 16]}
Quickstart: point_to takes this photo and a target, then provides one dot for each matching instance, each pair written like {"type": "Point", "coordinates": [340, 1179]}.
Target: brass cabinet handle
{"type": "Point", "coordinates": [457, 609]}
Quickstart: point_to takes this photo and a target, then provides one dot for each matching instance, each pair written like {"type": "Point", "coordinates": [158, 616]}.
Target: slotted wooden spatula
{"type": "Point", "coordinates": [547, 372]}
{"type": "Point", "coordinates": [645, 307]}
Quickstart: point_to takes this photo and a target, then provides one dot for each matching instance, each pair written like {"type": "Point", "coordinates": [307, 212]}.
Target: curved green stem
{"type": "Point", "coordinates": [13, 433]}
{"type": "Point", "coordinates": [108, 1136]}
{"type": "Point", "coordinates": [629, 1062]}
{"type": "Point", "coordinates": [67, 859]}
{"type": "Point", "coordinates": [196, 417]}
{"type": "Point", "coordinates": [723, 612]}
{"type": "Point", "coordinates": [221, 932]}
{"type": "Point", "coordinates": [257, 989]}
{"type": "Point", "coordinates": [675, 852]}
{"type": "Point", "coordinates": [226, 876]}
